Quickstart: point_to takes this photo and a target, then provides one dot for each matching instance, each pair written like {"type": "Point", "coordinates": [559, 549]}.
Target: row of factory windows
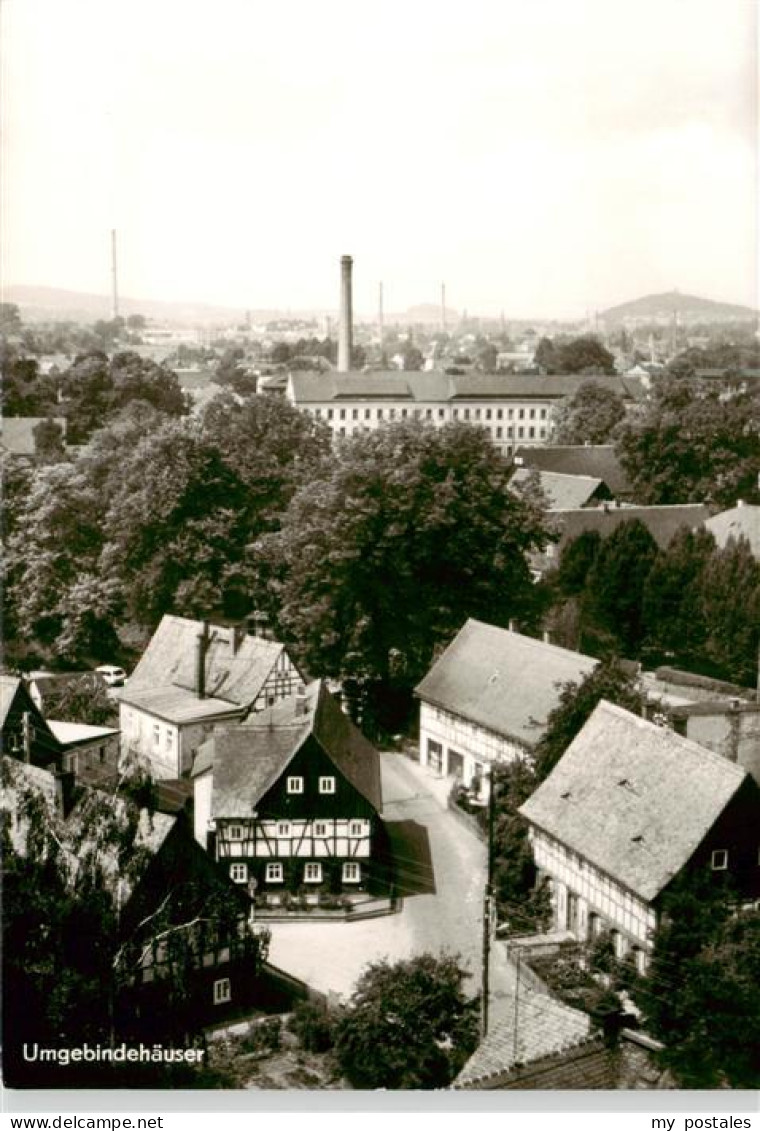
{"type": "Point", "coordinates": [274, 873]}
{"type": "Point", "coordinates": [519, 432]}
{"type": "Point", "coordinates": [427, 413]}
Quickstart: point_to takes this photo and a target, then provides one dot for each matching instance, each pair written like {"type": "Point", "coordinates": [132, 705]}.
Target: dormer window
{"type": "Point", "coordinates": [295, 785]}
{"type": "Point", "coordinates": [719, 860]}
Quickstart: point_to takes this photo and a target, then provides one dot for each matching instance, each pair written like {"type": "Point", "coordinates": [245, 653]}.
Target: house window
{"type": "Point", "coordinates": [392, 413]}
{"type": "Point", "coordinates": [274, 874]}
{"type": "Point", "coordinates": [295, 785]}
{"type": "Point", "coordinates": [499, 413]}
{"type": "Point", "coordinates": [456, 413]}
{"type": "Point", "coordinates": [283, 828]}
{"type": "Point", "coordinates": [356, 828]}
{"type": "Point", "coordinates": [440, 413]}
{"type": "Point", "coordinates": [329, 414]}
{"type": "Point", "coordinates": [222, 991]}
{"type": "Point", "coordinates": [719, 860]}
{"type": "Point", "coordinates": [367, 413]}
{"type": "Point", "coordinates": [239, 873]}
{"type": "Point", "coordinates": [488, 414]}
{"type": "Point", "coordinates": [156, 735]}
{"type": "Point", "coordinates": [477, 414]}
{"type": "Point", "coordinates": [343, 414]}
{"type": "Point", "coordinates": [235, 832]}
{"type": "Point", "coordinates": [467, 414]}
{"type": "Point", "coordinates": [317, 411]}
{"type": "Point", "coordinates": [404, 413]}
{"type": "Point", "coordinates": [354, 413]}
{"type": "Point", "coordinates": [428, 413]}
{"type": "Point", "coordinates": [498, 433]}
{"type": "Point", "coordinates": [379, 414]}
{"type": "Point", "coordinates": [312, 874]}
{"type": "Point", "coordinates": [352, 873]}
{"type": "Point", "coordinates": [327, 785]}
{"type": "Point", "coordinates": [434, 755]}
{"type": "Point", "coordinates": [169, 739]}
{"type": "Point", "coordinates": [342, 431]}
{"type": "Point", "coordinates": [320, 828]}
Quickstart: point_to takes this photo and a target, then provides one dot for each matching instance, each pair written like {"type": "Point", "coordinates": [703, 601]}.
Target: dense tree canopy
{"type": "Point", "coordinates": [388, 549]}
{"type": "Point", "coordinates": [701, 995]}
{"type": "Point", "coordinates": [590, 416]}
{"type": "Point", "coordinates": [407, 1025]}
{"type": "Point", "coordinates": [695, 442]}
{"type": "Point", "coordinates": [612, 599]}
{"type": "Point", "coordinates": [584, 354]}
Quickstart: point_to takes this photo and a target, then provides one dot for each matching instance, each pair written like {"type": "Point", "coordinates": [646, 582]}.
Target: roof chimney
{"type": "Point", "coordinates": [345, 332]}
{"type": "Point", "coordinates": [200, 662]}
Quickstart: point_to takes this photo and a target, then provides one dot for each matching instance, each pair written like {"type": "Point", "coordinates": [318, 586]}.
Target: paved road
{"type": "Point", "coordinates": [437, 858]}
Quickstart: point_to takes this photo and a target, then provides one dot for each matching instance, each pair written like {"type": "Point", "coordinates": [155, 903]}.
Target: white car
{"type": "Point", "coordinates": [111, 675]}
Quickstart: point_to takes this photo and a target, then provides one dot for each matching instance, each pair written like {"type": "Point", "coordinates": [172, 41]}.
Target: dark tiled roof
{"type": "Point", "coordinates": [501, 680]}
{"type": "Point", "coordinates": [661, 522]}
{"type": "Point", "coordinates": [249, 758]}
{"type": "Point", "coordinates": [633, 798]}
{"type": "Point", "coordinates": [597, 460]}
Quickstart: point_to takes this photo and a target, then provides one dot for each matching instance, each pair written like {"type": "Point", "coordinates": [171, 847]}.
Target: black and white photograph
{"type": "Point", "coordinates": [380, 685]}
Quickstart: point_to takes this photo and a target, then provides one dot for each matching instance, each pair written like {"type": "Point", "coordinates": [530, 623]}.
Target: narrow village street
{"type": "Point", "coordinates": [440, 868]}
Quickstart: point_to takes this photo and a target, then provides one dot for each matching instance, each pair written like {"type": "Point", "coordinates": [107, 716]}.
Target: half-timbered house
{"type": "Point", "coordinates": [290, 800]}
{"type": "Point", "coordinates": [629, 808]}
{"type": "Point", "coordinates": [488, 698]}
{"type": "Point", "coordinates": [192, 676]}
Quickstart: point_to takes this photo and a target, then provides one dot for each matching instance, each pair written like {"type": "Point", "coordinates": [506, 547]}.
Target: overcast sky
{"type": "Point", "coordinates": [543, 157]}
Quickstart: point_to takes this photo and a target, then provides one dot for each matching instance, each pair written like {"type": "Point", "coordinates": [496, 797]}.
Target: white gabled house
{"type": "Point", "coordinates": [630, 807]}
{"type": "Point", "coordinates": [192, 676]}
{"type": "Point", "coordinates": [488, 698]}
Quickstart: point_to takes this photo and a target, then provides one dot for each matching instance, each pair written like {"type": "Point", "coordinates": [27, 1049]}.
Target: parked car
{"type": "Point", "coordinates": [113, 676]}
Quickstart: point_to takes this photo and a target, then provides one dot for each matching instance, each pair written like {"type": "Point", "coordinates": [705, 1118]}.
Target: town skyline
{"type": "Point", "coordinates": [544, 162]}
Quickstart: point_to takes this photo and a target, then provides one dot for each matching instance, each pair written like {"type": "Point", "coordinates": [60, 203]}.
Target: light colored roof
{"type": "Point", "coordinates": [234, 675]}
{"type": "Point", "coordinates": [562, 491]}
{"type": "Point", "coordinates": [17, 433]}
{"type": "Point", "coordinates": [742, 521]}
{"type": "Point", "coordinates": [249, 758]}
{"type": "Point", "coordinates": [504, 681]}
{"type": "Point", "coordinates": [73, 733]}
{"type": "Point", "coordinates": [633, 798]}
{"type": "Point", "coordinates": [177, 704]}
{"type": "Point", "coordinates": [437, 386]}
{"type": "Point", "coordinates": [9, 685]}
{"type": "Point", "coordinates": [544, 1027]}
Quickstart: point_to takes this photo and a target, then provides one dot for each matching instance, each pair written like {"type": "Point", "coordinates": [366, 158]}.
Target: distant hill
{"type": "Point", "coordinates": [48, 304]}
{"type": "Point", "coordinates": [689, 308]}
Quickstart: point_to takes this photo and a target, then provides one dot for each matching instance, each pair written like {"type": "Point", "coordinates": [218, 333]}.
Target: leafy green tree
{"type": "Point", "coordinates": [730, 606]}
{"type": "Point", "coordinates": [546, 356]}
{"type": "Point", "coordinates": [695, 441]}
{"type": "Point", "coordinates": [399, 537]}
{"type": "Point", "coordinates": [139, 379]}
{"type": "Point", "coordinates": [701, 994]}
{"type": "Point", "coordinates": [609, 680]}
{"type": "Point", "coordinates": [10, 318]}
{"type": "Point", "coordinates": [82, 700]}
{"type": "Point", "coordinates": [48, 441]}
{"type": "Point", "coordinates": [612, 601]}
{"type": "Point", "coordinates": [521, 901]}
{"type": "Point", "coordinates": [25, 392]}
{"type": "Point", "coordinates": [585, 354]}
{"type": "Point", "coordinates": [590, 416]}
{"type": "Point", "coordinates": [577, 559]}
{"type": "Point", "coordinates": [408, 1025]}
{"type": "Point", "coordinates": [672, 605]}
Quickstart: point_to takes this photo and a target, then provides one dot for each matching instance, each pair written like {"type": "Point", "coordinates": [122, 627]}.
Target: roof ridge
{"type": "Point", "coordinates": [531, 640]}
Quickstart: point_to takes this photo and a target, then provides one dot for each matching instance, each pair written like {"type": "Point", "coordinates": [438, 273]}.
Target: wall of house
{"type": "Point", "coordinates": [453, 746]}
{"type": "Point", "coordinates": [203, 785]}
{"type": "Point", "coordinates": [282, 681]}
{"type": "Point", "coordinates": [737, 832]}
{"type": "Point", "coordinates": [168, 748]}
{"type": "Point", "coordinates": [581, 892]}
{"type": "Point", "coordinates": [100, 754]}
{"type": "Point", "coordinates": [732, 734]}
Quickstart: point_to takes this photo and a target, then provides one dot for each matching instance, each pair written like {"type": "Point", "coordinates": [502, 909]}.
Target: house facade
{"type": "Point", "coordinates": [289, 801]}
{"type": "Point", "coordinates": [193, 676]}
{"type": "Point", "coordinates": [629, 808]}
{"type": "Point", "coordinates": [487, 699]}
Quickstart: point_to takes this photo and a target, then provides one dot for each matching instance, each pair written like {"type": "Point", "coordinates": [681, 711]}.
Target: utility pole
{"type": "Point", "coordinates": [487, 911]}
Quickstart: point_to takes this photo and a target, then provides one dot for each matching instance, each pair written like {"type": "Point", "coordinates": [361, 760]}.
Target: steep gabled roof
{"type": "Point", "coordinates": [248, 759]}
{"type": "Point", "coordinates": [235, 668]}
{"type": "Point", "coordinates": [545, 1027]}
{"type": "Point", "coordinates": [742, 521]}
{"type": "Point", "coordinates": [662, 522]}
{"type": "Point", "coordinates": [596, 460]}
{"type": "Point", "coordinates": [633, 798]}
{"type": "Point", "coordinates": [502, 680]}
{"type": "Point", "coordinates": [562, 491]}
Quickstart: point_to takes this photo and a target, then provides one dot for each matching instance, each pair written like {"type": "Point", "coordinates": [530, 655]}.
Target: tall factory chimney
{"type": "Point", "coordinates": [114, 277]}
{"type": "Point", "coordinates": [345, 332]}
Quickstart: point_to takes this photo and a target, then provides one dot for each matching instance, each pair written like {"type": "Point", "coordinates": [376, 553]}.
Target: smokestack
{"type": "Point", "coordinates": [114, 277]}
{"type": "Point", "coordinates": [345, 333]}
